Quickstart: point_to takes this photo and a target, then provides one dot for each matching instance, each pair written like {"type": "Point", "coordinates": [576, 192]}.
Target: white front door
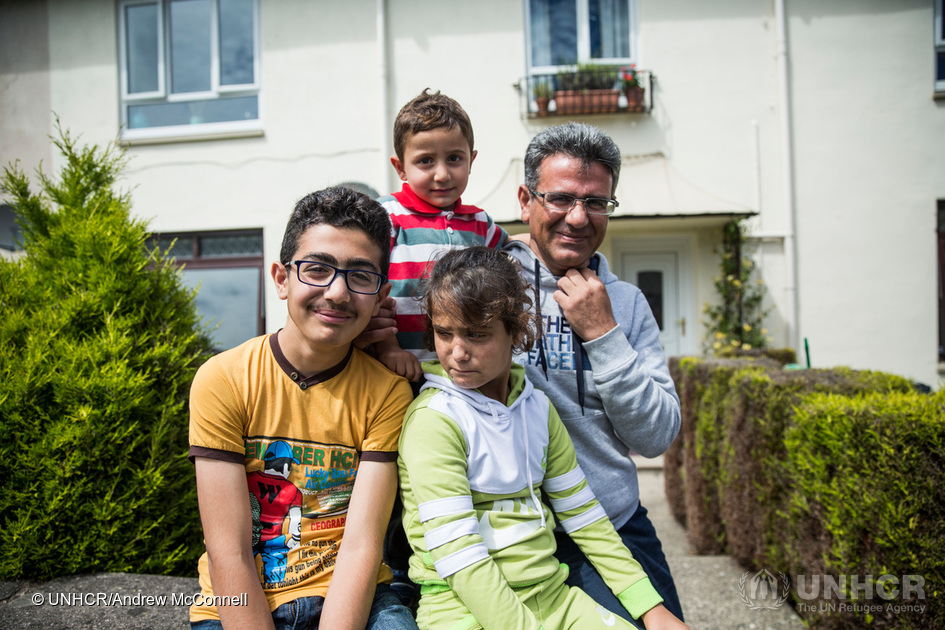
{"type": "Point", "coordinates": [656, 273]}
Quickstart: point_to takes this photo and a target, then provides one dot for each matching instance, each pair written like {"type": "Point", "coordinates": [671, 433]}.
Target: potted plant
{"type": "Point", "coordinates": [588, 89]}
{"type": "Point", "coordinates": [632, 88]}
{"type": "Point", "coordinates": [542, 90]}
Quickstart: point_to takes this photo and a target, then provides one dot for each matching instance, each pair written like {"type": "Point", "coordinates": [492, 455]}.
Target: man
{"type": "Point", "coordinates": [600, 361]}
{"type": "Point", "coordinates": [294, 439]}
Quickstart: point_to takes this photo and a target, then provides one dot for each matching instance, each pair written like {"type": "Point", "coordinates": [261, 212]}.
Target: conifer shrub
{"type": "Point", "coordinates": [100, 343]}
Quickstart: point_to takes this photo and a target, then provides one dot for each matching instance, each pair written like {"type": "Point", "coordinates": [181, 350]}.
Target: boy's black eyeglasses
{"type": "Point", "coordinates": [564, 202]}
{"type": "Point", "coordinates": [319, 274]}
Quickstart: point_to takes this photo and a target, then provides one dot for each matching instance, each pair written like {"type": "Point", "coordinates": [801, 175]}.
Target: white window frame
{"type": "Point", "coordinates": [238, 128]}
{"type": "Point", "coordinates": [939, 42]}
{"type": "Point", "coordinates": [582, 9]}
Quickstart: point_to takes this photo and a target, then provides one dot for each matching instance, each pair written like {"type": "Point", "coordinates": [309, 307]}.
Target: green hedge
{"type": "Point", "coordinates": [868, 477]}
{"type": "Point", "coordinates": [100, 342]}
{"type": "Point", "coordinates": [735, 475]}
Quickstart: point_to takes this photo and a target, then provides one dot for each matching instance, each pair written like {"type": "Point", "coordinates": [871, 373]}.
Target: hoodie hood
{"type": "Point", "coordinates": [527, 257]}
{"type": "Point", "coordinates": [519, 388]}
{"type": "Point", "coordinates": [497, 434]}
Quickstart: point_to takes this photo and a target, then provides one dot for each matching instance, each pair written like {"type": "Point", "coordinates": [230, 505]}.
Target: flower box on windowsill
{"type": "Point", "coordinates": [586, 101]}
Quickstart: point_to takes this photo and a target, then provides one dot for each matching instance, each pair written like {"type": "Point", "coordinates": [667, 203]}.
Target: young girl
{"type": "Point", "coordinates": [478, 448]}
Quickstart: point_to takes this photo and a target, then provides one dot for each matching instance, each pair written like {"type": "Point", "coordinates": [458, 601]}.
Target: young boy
{"type": "Point", "coordinates": [433, 142]}
{"type": "Point", "coordinates": [294, 440]}
{"type": "Point", "coordinates": [479, 447]}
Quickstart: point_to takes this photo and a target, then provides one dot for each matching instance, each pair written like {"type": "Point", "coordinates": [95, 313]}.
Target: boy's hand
{"type": "Point", "coordinates": [400, 361]}
{"type": "Point", "coordinates": [382, 326]}
{"type": "Point", "coordinates": [659, 618]}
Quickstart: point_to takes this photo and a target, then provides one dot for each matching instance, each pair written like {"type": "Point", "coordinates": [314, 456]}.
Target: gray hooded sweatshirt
{"type": "Point", "coordinates": [629, 400]}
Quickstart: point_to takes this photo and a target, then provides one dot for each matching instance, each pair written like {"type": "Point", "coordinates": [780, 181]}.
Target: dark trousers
{"type": "Point", "coordinates": [640, 538]}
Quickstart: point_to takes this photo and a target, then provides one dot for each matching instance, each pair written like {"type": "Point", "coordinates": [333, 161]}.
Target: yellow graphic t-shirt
{"type": "Point", "coordinates": [301, 441]}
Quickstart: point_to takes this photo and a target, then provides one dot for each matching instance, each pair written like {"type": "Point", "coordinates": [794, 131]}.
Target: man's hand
{"type": "Point", "coordinates": [584, 301]}
{"type": "Point", "coordinates": [382, 326]}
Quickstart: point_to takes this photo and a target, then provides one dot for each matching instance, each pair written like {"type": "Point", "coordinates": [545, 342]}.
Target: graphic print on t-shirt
{"type": "Point", "coordinates": [559, 345]}
{"type": "Point", "coordinates": [297, 486]}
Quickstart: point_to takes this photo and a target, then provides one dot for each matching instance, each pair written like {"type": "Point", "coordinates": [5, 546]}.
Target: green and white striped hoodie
{"type": "Point", "coordinates": [471, 473]}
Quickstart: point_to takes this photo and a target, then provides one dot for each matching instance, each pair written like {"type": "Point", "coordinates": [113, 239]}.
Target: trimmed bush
{"type": "Point", "coordinates": [833, 474]}
{"type": "Point", "coordinates": [674, 480]}
{"type": "Point", "coordinates": [753, 485]}
{"type": "Point", "coordinates": [100, 343]}
{"type": "Point", "coordinates": [868, 480]}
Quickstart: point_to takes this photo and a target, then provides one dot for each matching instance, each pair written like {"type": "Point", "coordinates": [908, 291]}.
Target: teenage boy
{"type": "Point", "coordinates": [294, 439]}
{"type": "Point", "coordinates": [600, 363]}
{"type": "Point", "coordinates": [433, 142]}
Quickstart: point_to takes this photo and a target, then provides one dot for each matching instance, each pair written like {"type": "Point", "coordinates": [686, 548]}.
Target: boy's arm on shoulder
{"type": "Point", "coordinates": [354, 578]}
{"type": "Point", "coordinates": [223, 498]}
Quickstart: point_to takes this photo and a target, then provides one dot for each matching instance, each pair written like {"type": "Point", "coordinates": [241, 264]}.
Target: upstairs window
{"type": "Point", "coordinates": [188, 67]}
{"type": "Point", "coordinates": [572, 32]}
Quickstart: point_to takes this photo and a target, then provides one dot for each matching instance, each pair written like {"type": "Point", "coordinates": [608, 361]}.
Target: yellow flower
{"type": "Point", "coordinates": [719, 335]}
{"type": "Point", "coordinates": [717, 345]}
{"type": "Point", "coordinates": [747, 327]}
{"type": "Point", "coordinates": [746, 346]}
{"type": "Point", "coordinates": [736, 283]}
{"type": "Point", "coordinates": [736, 343]}
{"type": "Point", "coordinates": [764, 331]}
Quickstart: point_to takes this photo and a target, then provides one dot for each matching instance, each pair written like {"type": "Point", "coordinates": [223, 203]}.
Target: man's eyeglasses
{"type": "Point", "coordinates": [564, 202]}
{"type": "Point", "coordinates": [319, 274]}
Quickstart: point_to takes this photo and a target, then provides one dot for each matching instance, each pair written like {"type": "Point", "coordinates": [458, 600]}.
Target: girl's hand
{"type": "Point", "coordinates": [659, 618]}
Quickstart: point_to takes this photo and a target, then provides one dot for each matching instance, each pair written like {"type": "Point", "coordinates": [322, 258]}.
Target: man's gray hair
{"type": "Point", "coordinates": [579, 140]}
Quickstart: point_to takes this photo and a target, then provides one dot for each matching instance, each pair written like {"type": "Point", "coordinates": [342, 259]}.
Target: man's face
{"type": "Point", "coordinates": [436, 164]}
{"type": "Point", "coordinates": [322, 318]}
{"type": "Point", "coordinates": [566, 240]}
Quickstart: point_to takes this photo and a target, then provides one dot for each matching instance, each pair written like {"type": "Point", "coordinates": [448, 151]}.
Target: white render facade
{"type": "Point", "coordinates": [818, 120]}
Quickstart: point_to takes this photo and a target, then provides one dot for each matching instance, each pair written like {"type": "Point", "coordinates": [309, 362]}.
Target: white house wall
{"type": "Point", "coordinates": [869, 165]}
{"type": "Point", "coordinates": [867, 137]}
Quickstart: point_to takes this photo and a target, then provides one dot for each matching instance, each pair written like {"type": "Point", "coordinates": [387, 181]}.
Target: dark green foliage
{"type": "Point", "coordinates": [816, 472]}
{"type": "Point", "coordinates": [100, 343]}
{"type": "Point", "coordinates": [869, 478]}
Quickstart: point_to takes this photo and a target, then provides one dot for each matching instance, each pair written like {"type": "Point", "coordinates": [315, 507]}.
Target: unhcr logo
{"type": "Point", "coordinates": [764, 591]}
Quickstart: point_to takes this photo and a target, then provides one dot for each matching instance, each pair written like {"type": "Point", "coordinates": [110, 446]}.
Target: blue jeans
{"type": "Point", "coordinates": [387, 613]}
{"type": "Point", "coordinates": [640, 538]}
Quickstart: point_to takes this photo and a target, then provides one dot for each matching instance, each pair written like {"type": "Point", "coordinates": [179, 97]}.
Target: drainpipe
{"type": "Point", "coordinates": [384, 104]}
{"type": "Point", "coordinates": [790, 245]}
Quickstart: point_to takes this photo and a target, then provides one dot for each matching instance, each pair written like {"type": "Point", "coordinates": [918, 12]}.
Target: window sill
{"type": "Point", "coordinates": [585, 92]}
{"type": "Point", "coordinates": [138, 137]}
